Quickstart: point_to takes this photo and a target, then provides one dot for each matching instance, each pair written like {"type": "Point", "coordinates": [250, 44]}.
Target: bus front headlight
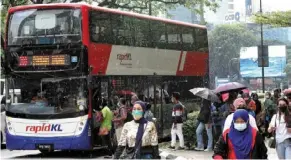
{"type": "Point", "coordinates": [9, 126]}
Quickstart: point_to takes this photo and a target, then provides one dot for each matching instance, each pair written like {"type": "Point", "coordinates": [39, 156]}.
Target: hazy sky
{"type": "Point", "coordinates": [276, 5]}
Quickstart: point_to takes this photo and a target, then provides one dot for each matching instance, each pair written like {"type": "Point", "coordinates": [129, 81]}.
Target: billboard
{"type": "Point", "coordinates": [249, 62]}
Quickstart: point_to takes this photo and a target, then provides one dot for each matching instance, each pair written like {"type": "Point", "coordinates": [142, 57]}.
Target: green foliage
{"type": "Point", "coordinates": [225, 42]}
{"type": "Point", "coordinates": [189, 131]}
{"type": "Point", "coordinates": [276, 19]}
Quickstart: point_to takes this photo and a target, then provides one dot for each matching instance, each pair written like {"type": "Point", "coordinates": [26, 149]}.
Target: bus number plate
{"type": "Point", "coordinates": [44, 146]}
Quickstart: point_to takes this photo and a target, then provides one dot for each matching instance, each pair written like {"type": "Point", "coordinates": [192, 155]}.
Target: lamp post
{"type": "Point", "coordinates": [229, 64]}
{"type": "Point", "coordinates": [262, 50]}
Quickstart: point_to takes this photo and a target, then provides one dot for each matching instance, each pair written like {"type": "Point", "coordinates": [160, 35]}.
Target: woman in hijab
{"type": "Point", "coordinates": [139, 137]}
{"type": "Point", "coordinates": [240, 141]}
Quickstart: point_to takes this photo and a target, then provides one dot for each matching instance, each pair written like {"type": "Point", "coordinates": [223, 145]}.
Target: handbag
{"type": "Point", "coordinates": [132, 153]}
{"type": "Point", "coordinates": [272, 141]}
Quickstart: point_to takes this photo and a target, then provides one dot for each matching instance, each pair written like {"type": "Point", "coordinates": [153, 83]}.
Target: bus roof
{"type": "Point", "coordinates": [116, 11]}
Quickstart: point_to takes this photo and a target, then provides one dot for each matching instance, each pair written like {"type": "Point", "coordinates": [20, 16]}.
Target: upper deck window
{"type": "Point", "coordinates": [44, 26]}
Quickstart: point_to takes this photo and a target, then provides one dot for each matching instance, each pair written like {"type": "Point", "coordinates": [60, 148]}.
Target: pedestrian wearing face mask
{"type": "Point", "coordinates": [240, 141]}
{"type": "Point", "coordinates": [282, 132]}
{"type": "Point", "coordinates": [239, 103]}
{"type": "Point", "coordinates": [139, 135]}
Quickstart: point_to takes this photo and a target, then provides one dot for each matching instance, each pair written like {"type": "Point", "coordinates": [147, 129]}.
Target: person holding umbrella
{"type": "Point", "coordinates": [204, 117]}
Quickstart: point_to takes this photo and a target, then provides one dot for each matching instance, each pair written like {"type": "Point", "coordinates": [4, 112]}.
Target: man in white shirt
{"type": "Point", "coordinates": [239, 103]}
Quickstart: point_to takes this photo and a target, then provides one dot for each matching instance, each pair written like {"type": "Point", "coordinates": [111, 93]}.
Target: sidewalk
{"type": "Point", "coordinates": [191, 154]}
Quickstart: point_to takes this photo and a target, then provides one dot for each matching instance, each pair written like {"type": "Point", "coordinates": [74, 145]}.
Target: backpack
{"type": "Point", "coordinates": [129, 116]}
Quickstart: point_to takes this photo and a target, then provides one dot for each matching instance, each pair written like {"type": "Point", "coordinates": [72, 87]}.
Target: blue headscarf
{"type": "Point", "coordinates": [241, 140]}
{"type": "Point", "coordinates": [140, 130]}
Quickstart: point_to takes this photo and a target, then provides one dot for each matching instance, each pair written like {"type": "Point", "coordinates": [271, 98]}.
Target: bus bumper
{"type": "Point", "coordinates": [80, 142]}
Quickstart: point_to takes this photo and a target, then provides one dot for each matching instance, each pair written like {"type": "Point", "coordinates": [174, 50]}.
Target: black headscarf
{"type": "Point", "coordinates": [140, 131]}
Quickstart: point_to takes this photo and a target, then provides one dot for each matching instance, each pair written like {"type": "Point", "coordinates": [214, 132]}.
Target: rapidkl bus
{"type": "Point", "coordinates": [64, 57]}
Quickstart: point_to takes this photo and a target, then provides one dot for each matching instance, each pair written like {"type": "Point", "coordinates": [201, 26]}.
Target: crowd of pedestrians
{"type": "Point", "coordinates": [236, 128]}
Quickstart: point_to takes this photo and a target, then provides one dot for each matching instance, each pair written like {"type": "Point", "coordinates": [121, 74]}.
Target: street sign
{"type": "Point", "coordinates": [263, 56]}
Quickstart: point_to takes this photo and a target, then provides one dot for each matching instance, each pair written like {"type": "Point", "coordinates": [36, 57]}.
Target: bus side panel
{"type": "Point", "coordinates": [193, 64]}
{"type": "Point", "coordinates": [80, 142]}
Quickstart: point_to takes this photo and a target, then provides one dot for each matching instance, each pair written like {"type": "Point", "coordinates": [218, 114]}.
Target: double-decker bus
{"type": "Point", "coordinates": [64, 57]}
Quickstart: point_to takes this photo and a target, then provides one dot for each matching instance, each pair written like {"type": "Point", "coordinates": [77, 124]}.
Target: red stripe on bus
{"type": "Point", "coordinates": [85, 25]}
{"type": "Point", "coordinates": [195, 64]}
{"type": "Point", "coordinates": [98, 58]}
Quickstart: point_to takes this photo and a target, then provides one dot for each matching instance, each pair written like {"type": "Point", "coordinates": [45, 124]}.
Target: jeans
{"type": "Point", "coordinates": [199, 136]}
{"type": "Point", "coordinates": [177, 131]}
{"type": "Point", "coordinates": [284, 149]}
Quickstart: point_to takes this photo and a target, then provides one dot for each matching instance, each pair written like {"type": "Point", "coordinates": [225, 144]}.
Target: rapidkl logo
{"type": "Point", "coordinates": [45, 127]}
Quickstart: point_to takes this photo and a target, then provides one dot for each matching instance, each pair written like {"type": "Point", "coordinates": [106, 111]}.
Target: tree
{"type": "Point", "coordinates": [276, 19]}
{"type": "Point", "coordinates": [225, 42]}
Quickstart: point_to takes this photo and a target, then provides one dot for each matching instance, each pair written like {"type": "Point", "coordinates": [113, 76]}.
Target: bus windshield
{"type": "Point", "coordinates": [43, 26]}
{"type": "Point", "coordinates": [49, 96]}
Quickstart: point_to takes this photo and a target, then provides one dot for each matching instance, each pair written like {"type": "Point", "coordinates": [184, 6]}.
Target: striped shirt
{"type": "Point", "coordinates": [177, 113]}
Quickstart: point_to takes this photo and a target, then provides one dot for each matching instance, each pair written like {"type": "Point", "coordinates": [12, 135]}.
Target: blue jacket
{"type": "Point", "coordinates": [217, 115]}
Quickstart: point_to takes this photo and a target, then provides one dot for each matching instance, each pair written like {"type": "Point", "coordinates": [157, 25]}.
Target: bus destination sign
{"type": "Point", "coordinates": [49, 60]}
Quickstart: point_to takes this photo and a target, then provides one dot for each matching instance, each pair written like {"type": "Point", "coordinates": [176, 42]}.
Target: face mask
{"type": "Point", "coordinates": [246, 99]}
{"type": "Point", "coordinates": [137, 114]}
{"type": "Point", "coordinates": [240, 126]}
{"type": "Point", "coordinates": [267, 97]}
{"type": "Point", "coordinates": [118, 104]}
{"type": "Point", "coordinates": [283, 109]}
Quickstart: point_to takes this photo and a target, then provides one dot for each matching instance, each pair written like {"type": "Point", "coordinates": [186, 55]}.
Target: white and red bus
{"type": "Point", "coordinates": [63, 57]}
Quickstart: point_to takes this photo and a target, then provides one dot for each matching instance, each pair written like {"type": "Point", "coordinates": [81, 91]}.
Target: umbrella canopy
{"type": "Point", "coordinates": [231, 86]}
{"type": "Point", "coordinates": [205, 93]}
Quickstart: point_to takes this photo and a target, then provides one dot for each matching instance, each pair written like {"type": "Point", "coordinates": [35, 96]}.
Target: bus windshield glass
{"type": "Point", "coordinates": [49, 96]}
{"type": "Point", "coordinates": [43, 26]}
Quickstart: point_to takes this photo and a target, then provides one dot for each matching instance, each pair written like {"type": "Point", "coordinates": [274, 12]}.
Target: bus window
{"type": "Point", "coordinates": [141, 32]}
{"type": "Point", "coordinates": [122, 29]}
{"type": "Point", "coordinates": [24, 27]}
{"type": "Point", "coordinates": [157, 30]}
{"type": "Point", "coordinates": [201, 40]}
{"type": "Point", "coordinates": [100, 27]}
{"type": "Point", "coordinates": [174, 37]}
{"type": "Point", "coordinates": [188, 40]}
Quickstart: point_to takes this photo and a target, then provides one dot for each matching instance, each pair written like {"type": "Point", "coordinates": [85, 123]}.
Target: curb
{"type": "Point", "coordinates": [166, 155]}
